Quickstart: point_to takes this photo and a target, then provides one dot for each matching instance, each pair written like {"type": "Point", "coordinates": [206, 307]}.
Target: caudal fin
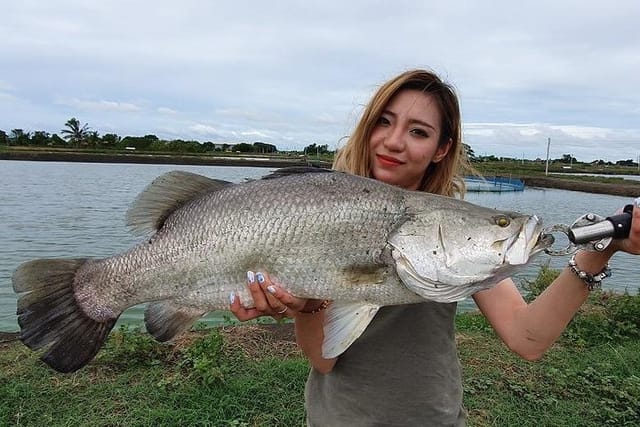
{"type": "Point", "coordinates": [50, 317]}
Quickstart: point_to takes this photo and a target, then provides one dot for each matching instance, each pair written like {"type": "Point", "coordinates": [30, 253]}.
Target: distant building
{"type": "Point", "coordinates": [221, 146]}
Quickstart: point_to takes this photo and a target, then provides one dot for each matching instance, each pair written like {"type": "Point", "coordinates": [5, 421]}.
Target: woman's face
{"type": "Point", "coordinates": [405, 140]}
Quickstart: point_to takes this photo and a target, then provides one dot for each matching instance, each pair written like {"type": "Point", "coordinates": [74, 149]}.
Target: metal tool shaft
{"type": "Point", "coordinates": [615, 226]}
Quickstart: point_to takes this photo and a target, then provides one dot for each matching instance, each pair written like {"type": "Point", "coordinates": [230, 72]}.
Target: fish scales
{"type": "Point", "coordinates": [204, 250]}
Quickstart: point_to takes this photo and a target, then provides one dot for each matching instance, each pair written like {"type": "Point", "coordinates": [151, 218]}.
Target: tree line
{"type": "Point", "coordinates": [78, 135]}
{"type": "Point", "coordinates": [566, 159]}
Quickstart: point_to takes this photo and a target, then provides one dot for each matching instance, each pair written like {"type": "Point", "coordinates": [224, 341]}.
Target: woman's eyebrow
{"type": "Point", "coordinates": [423, 123]}
{"type": "Point", "coordinates": [412, 121]}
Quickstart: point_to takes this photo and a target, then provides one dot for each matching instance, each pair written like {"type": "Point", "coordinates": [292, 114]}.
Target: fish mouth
{"type": "Point", "coordinates": [528, 242]}
{"type": "Point", "coordinates": [544, 242]}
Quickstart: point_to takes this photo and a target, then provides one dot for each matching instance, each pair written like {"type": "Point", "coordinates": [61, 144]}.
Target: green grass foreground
{"type": "Point", "coordinates": [254, 375]}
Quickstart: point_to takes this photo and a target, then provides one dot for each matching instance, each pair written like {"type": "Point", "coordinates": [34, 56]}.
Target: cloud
{"type": "Point", "coordinates": [530, 140]}
{"type": "Point", "coordinates": [5, 96]}
{"type": "Point", "coordinates": [254, 134]}
{"type": "Point", "coordinates": [6, 87]}
{"type": "Point", "coordinates": [165, 110]}
{"type": "Point", "coordinates": [295, 74]}
{"type": "Point", "coordinates": [585, 132]}
{"type": "Point", "coordinates": [105, 106]}
{"type": "Point", "coordinates": [202, 129]}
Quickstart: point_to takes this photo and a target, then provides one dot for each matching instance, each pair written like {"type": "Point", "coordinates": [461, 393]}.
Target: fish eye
{"type": "Point", "coordinates": [502, 221]}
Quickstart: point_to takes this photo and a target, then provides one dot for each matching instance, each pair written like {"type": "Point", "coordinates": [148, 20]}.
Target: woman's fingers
{"type": "Point", "coordinates": [261, 305]}
{"type": "Point", "coordinates": [633, 243]}
{"type": "Point", "coordinates": [241, 313]}
{"type": "Point", "coordinates": [284, 297]}
{"type": "Point", "coordinates": [269, 299]}
{"type": "Point", "coordinates": [279, 307]}
{"type": "Point", "coordinates": [259, 297]}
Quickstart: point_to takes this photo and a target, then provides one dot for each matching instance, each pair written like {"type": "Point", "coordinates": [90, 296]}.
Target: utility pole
{"type": "Point", "coordinates": [546, 171]}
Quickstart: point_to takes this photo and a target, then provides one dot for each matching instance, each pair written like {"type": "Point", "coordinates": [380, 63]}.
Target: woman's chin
{"type": "Point", "coordinates": [388, 176]}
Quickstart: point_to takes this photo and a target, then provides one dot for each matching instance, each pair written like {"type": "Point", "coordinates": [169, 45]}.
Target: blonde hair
{"type": "Point", "coordinates": [444, 177]}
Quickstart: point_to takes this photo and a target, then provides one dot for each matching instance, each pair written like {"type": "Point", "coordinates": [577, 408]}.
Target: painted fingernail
{"type": "Point", "coordinates": [232, 297]}
{"type": "Point", "coordinates": [271, 289]}
{"type": "Point", "coordinates": [637, 202]}
{"type": "Point", "coordinates": [260, 278]}
{"type": "Point", "coordinates": [250, 277]}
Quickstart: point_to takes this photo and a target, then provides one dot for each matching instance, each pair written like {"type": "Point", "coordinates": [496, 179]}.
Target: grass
{"type": "Point", "coordinates": [572, 386]}
{"type": "Point", "coordinates": [529, 168]}
{"type": "Point", "coordinates": [254, 375]}
{"type": "Point", "coordinates": [202, 380]}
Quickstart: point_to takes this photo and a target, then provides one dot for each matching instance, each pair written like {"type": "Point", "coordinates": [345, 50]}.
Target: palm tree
{"type": "Point", "coordinates": [75, 133]}
{"type": "Point", "coordinates": [20, 137]}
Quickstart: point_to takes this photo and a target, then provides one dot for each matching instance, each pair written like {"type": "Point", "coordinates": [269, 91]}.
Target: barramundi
{"type": "Point", "coordinates": [321, 234]}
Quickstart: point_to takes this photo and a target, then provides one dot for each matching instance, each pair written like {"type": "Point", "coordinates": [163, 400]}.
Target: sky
{"type": "Point", "coordinates": [295, 73]}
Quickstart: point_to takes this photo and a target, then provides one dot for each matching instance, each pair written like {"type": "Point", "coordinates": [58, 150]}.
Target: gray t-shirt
{"type": "Point", "coordinates": [403, 371]}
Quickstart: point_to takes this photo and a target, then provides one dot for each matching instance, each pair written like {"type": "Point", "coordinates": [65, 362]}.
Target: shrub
{"type": "Point", "coordinates": [605, 317]}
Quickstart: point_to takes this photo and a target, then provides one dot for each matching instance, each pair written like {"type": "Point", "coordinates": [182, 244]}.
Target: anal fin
{"type": "Point", "coordinates": [165, 320]}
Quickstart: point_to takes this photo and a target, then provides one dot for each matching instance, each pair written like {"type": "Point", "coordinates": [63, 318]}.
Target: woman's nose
{"type": "Point", "coordinates": [394, 140]}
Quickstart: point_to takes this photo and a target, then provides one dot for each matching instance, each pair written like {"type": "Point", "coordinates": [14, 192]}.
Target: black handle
{"type": "Point", "coordinates": [622, 222]}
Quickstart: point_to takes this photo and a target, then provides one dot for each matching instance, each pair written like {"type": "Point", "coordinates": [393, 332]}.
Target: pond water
{"type": "Point", "coordinates": [56, 209]}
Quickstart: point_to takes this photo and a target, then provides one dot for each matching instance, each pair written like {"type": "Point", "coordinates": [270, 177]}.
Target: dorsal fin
{"type": "Point", "coordinates": [295, 170]}
{"type": "Point", "coordinates": [164, 195]}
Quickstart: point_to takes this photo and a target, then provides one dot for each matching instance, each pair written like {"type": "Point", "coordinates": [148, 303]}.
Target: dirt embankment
{"type": "Point", "coordinates": [52, 156]}
{"type": "Point", "coordinates": [6, 337]}
{"type": "Point", "coordinates": [630, 189]}
{"type": "Point", "coordinates": [627, 190]}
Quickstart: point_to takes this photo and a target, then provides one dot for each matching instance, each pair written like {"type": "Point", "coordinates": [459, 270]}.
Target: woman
{"type": "Point", "coordinates": [404, 369]}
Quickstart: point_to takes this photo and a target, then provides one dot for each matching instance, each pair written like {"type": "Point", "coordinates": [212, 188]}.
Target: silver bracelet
{"type": "Point", "coordinates": [593, 281]}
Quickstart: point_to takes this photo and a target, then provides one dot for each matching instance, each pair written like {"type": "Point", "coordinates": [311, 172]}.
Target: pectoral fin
{"type": "Point", "coordinates": [344, 323]}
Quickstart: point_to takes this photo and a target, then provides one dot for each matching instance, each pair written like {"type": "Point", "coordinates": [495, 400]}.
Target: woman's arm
{"type": "Point", "coordinates": [530, 329]}
{"type": "Point", "coordinates": [309, 336]}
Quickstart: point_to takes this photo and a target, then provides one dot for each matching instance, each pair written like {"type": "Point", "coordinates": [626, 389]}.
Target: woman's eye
{"type": "Point", "coordinates": [383, 121]}
{"type": "Point", "coordinates": [420, 132]}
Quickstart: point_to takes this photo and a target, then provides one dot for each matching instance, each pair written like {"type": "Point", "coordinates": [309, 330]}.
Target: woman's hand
{"type": "Point", "coordinates": [630, 244]}
{"type": "Point", "coordinates": [270, 300]}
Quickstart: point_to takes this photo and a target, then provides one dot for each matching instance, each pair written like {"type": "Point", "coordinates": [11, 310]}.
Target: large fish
{"type": "Point", "coordinates": [322, 234]}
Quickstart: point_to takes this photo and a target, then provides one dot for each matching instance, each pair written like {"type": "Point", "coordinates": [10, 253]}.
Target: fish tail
{"type": "Point", "coordinates": [50, 316]}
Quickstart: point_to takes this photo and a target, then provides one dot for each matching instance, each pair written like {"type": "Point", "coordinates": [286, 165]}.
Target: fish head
{"type": "Point", "coordinates": [448, 253]}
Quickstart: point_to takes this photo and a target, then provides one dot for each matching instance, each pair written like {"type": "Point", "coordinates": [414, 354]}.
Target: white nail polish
{"type": "Point", "coordinates": [637, 201]}
{"type": "Point", "coordinates": [260, 277]}
{"type": "Point", "coordinates": [232, 297]}
{"type": "Point", "coordinates": [271, 289]}
{"type": "Point", "coordinates": [250, 277]}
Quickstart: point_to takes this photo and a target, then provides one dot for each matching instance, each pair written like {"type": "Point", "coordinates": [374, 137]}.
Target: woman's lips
{"type": "Point", "coordinates": [388, 161]}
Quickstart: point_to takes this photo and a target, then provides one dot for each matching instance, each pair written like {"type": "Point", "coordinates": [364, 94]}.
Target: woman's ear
{"type": "Point", "coordinates": [442, 151]}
